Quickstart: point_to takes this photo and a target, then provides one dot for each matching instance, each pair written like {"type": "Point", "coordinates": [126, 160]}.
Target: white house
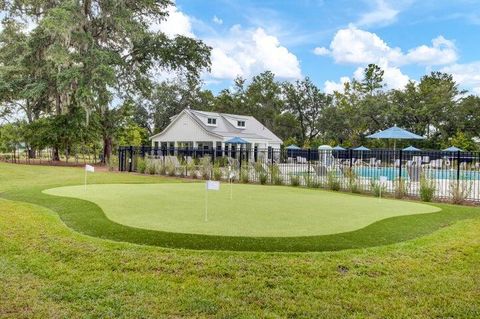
{"type": "Point", "coordinates": [208, 130]}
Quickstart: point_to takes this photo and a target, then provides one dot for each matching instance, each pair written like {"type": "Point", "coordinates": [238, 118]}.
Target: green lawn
{"type": "Point", "coordinates": [239, 210]}
{"type": "Point", "coordinates": [49, 270]}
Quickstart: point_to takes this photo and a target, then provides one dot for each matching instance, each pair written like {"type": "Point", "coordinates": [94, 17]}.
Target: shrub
{"type": "Point", "coordinates": [160, 168]}
{"type": "Point", "coordinates": [150, 166]}
{"type": "Point", "coordinates": [333, 182]}
{"type": "Point", "coordinates": [459, 191]}
{"type": "Point", "coordinates": [244, 175]}
{"type": "Point", "coordinates": [427, 189]}
{"type": "Point", "coordinates": [217, 172]}
{"type": "Point", "coordinates": [377, 188]}
{"type": "Point", "coordinates": [205, 167]}
{"type": "Point", "coordinates": [170, 168]}
{"type": "Point", "coordinates": [263, 176]}
{"type": "Point", "coordinates": [112, 163]}
{"type": "Point", "coordinates": [401, 188]}
{"type": "Point", "coordinates": [295, 180]}
{"type": "Point", "coordinates": [352, 178]}
{"type": "Point", "coordinates": [141, 165]}
{"type": "Point", "coordinates": [313, 182]}
{"type": "Point", "coordinates": [276, 175]}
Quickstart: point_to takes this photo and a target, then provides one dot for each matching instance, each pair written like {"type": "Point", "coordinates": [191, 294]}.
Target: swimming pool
{"type": "Point", "coordinates": [392, 173]}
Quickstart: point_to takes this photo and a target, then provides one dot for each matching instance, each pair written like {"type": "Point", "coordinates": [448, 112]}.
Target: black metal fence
{"type": "Point", "coordinates": [448, 176]}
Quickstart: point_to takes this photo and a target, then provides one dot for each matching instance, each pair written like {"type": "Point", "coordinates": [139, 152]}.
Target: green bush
{"type": "Point", "coordinates": [150, 166]}
{"type": "Point", "coordinates": [333, 182]}
{"type": "Point", "coordinates": [352, 178]}
{"type": "Point", "coordinates": [313, 182]}
{"type": "Point", "coordinates": [113, 163]}
{"type": "Point", "coordinates": [401, 188]}
{"type": "Point", "coordinates": [170, 168]}
{"type": "Point", "coordinates": [263, 177]}
{"type": "Point", "coordinates": [427, 189]}
{"type": "Point", "coordinates": [276, 175]}
{"type": "Point", "coordinates": [217, 172]}
{"type": "Point", "coordinates": [377, 188]}
{"type": "Point", "coordinates": [205, 167]}
{"type": "Point", "coordinates": [295, 180]}
{"type": "Point", "coordinates": [245, 175]}
{"type": "Point", "coordinates": [459, 191]}
{"type": "Point", "coordinates": [141, 165]}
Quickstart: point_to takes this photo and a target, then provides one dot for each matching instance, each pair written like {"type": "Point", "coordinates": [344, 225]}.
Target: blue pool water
{"type": "Point", "coordinates": [392, 173]}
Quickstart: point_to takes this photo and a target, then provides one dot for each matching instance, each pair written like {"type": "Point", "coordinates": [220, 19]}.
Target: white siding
{"type": "Point", "coordinates": [185, 129]}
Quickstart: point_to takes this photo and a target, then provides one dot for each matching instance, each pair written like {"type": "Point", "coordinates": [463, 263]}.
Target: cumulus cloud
{"type": "Point", "coordinates": [441, 52]}
{"type": "Point", "coordinates": [355, 46]}
{"type": "Point", "coordinates": [177, 23]}
{"type": "Point", "coordinates": [467, 75]}
{"type": "Point", "coordinates": [321, 51]}
{"type": "Point", "coordinates": [247, 52]}
{"type": "Point", "coordinates": [331, 86]}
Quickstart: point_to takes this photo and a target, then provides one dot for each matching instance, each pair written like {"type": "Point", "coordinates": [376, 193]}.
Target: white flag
{"type": "Point", "coordinates": [383, 180]}
{"type": "Point", "coordinates": [89, 168]}
{"type": "Point", "coordinates": [213, 185]}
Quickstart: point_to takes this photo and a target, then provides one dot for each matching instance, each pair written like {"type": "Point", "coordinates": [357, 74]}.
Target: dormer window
{"type": "Point", "coordinates": [212, 121]}
{"type": "Point", "coordinates": [241, 124]}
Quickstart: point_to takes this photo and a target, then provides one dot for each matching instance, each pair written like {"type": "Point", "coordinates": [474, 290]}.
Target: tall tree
{"type": "Point", "coordinates": [92, 51]}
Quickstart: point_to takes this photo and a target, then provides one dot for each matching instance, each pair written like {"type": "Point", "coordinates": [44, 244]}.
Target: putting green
{"type": "Point", "coordinates": [254, 211]}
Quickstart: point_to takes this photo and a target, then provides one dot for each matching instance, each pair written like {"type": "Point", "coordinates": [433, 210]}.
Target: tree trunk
{"type": "Point", "coordinates": [107, 149]}
{"type": "Point", "coordinates": [55, 154]}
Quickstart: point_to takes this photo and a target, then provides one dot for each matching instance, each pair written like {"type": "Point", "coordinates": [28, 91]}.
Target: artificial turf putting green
{"type": "Point", "coordinates": [253, 211]}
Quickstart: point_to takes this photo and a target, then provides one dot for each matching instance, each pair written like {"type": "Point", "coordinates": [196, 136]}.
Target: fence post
{"type": "Point", "coordinates": [130, 160]}
{"type": "Point", "coordinates": [350, 154]}
{"type": "Point", "coordinates": [458, 167]}
{"type": "Point", "coordinates": [308, 161]}
{"type": "Point", "coordinates": [399, 165]}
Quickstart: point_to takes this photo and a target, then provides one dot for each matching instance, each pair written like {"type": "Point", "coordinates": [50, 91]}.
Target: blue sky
{"type": "Point", "coordinates": [332, 41]}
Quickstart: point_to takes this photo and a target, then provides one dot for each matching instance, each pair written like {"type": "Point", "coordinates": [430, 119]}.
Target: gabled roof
{"type": "Point", "coordinates": [224, 127]}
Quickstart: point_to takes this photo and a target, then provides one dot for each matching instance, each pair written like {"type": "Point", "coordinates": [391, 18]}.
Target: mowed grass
{"type": "Point", "coordinates": [48, 270]}
{"type": "Point", "coordinates": [239, 210]}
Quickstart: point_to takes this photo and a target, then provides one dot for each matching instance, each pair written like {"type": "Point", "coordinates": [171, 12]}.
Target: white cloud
{"type": "Point", "coordinates": [382, 13]}
{"type": "Point", "coordinates": [247, 52]}
{"type": "Point", "coordinates": [177, 23]}
{"type": "Point", "coordinates": [441, 52]}
{"type": "Point", "coordinates": [217, 20]}
{"type": "Point", "coordinates": [321, 51]}
{"type": "Point", "coordinates": [355, 46]}
{"type": "Point", "coordinates": [330, 87]}
{"type": "Point", "coordinates": [467, 75]}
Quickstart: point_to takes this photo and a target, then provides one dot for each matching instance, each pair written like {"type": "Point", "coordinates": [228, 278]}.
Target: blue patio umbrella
{"type": "Point", "coordinates": [293, 147]}
{"type": "Point", "coordinates": [236, 140]}
{"type": "Point", "coordinates": [361, 148]}
{"type": "Point", "coordinates": [338, 148]}
{"type": "Point", "coordinates": [452, 149]}
{"type": "Point", "coordinates": [396, 133]}
{"type": "Point", "coordinates": [411, 149]}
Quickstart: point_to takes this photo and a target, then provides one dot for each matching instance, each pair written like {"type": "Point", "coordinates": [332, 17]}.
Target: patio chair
{"type": "Point", "coordinates": [396, 163]}
{"type": "Point", "coordinates": [378, 163]}
{"type": "Point", "coordinates": [372, 161]}
{"type": "Point", "coordinates": [436, 163]}
{"type": "Point", "coordinates": [301, 160]}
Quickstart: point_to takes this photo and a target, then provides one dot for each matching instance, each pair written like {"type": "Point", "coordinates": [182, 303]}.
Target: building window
{"type": "Point", "coordinates": [241, 123]}
{"type": "Point", "coordinates": [212, 121]}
